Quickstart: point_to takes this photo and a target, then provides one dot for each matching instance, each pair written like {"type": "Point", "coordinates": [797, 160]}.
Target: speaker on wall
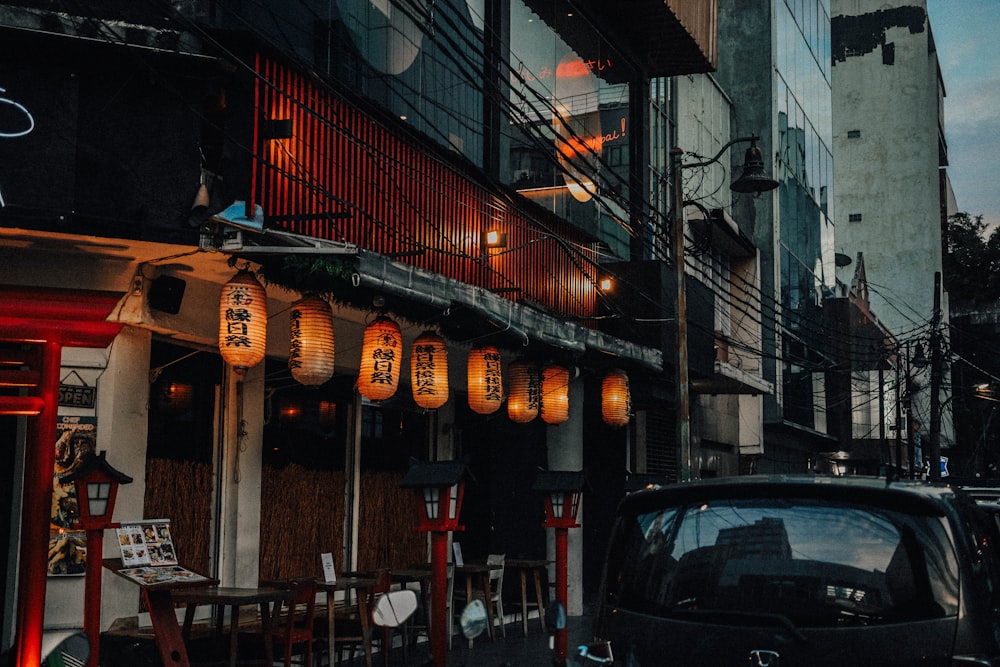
{"type": "Point", "coordinates": [166, 293]}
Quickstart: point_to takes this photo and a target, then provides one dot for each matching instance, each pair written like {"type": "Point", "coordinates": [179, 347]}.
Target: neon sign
{"type": "Point", "coordinates": [8, 133]}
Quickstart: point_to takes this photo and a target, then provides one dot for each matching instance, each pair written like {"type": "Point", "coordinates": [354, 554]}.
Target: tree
{"type": "Point", "coordinates": [971, 259]}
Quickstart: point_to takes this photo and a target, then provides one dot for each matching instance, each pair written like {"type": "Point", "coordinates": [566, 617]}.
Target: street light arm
{"type": "Point", "coordinates": [752, 138]}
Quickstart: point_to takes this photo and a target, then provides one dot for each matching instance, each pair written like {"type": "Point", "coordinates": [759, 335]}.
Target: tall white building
{"type": "Point", "coordinates": [892, 188]}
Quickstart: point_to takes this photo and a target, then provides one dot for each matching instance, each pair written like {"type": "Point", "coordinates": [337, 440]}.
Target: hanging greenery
{"type": "Point", "coordinates": [304, 274]}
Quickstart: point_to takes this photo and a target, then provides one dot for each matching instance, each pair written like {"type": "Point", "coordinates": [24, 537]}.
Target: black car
{"type": "Point", "coordinates": [790, 571]}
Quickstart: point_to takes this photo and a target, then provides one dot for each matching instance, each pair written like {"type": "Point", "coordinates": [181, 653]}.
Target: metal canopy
{"type": "Point", "coordinates": [379, 272]}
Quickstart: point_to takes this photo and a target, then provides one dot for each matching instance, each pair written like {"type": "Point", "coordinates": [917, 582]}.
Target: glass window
{"type": "Point", "coordinates": [569, 121]}
{"type": "Point", "coordinates": [817, 562]}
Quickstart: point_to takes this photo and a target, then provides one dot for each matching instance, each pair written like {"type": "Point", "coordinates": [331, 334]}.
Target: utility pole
{"type": "Point", "coordinates": [936, 362]}
{"type": "Point", "coordinates": [681, 375]}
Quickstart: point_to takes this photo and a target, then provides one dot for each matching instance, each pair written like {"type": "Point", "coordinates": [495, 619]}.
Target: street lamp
{"type": "Point", "coordinates": [752, 180]}
{"type": "Point", "coordinates": [96, 489]}
{"type": "Point", "coordinates": [562, 503]}
{"type": "Point", "coordinates": [439, 487]}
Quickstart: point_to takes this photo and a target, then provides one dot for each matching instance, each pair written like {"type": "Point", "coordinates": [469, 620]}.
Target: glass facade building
{"type": "Point", "coordinates": [775, 64]}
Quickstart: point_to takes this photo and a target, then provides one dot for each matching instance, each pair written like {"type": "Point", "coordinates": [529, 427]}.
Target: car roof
{"type": "Point", "coordinates": [913, 496]}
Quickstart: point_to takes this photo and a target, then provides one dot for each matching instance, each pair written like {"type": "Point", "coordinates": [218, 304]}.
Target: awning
{"type": "Point", "coordinates": [379, 272]}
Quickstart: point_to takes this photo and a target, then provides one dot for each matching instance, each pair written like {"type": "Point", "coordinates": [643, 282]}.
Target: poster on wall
{"type": "Point", "coordinates": [76, 440]}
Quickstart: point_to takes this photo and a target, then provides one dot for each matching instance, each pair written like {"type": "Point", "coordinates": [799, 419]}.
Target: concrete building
{"type": "Point", "coordinates": [892, 189]}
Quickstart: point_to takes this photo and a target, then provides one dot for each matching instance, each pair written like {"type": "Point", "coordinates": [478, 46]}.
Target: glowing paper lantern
{"type": "Point", "coordinates": [381, 352]}
{"type": "Point", "coordinates": [555, 394]}
{"type": "Point", "coordinates": [429, 371]}
{"type": "Point", "coordinates": [485, 380]}
{"type": "Point", "coordinates": [525, 397]}
{"type": "Point", "coordinates": [243, 322]}
{"type": "Point", "coordinates": [616, 400]}
{"type": "Point", "coordinates": [311, 348]}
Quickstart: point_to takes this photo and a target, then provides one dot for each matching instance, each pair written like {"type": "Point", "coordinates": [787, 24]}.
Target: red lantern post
{"type": "Point", "coordinates": [562, 491]}
{"type": "Point", "coordinates": [439, 488]}
{"type": "Point", "coordinates": [96, 491]}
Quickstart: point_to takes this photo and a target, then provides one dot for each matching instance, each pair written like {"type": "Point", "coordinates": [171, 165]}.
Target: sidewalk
{"type": "Point", "coordinates": [514, 650]}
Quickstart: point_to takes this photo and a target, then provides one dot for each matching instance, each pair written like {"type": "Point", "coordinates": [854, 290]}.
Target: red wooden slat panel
{"type": "Point", "coordinates": [403, 202]}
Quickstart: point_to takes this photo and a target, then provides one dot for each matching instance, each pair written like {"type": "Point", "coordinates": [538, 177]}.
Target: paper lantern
{"type": "Point", "coordinates": [429, 371]}
{"type": "Point", "coordinates": [381, 352]}
{"type": "Point", "coordinates": [555, 394]}
{"type": "Point", "coordinates": [243, 322]}
{"type": "Point", "coordinates": [485, 380]}
{"type": "Point", "coordinates": [311, 348]}
{"type": "Point", "coordinates": [616, 401]}
{"type": "Point", "coordinates": [525, 393]}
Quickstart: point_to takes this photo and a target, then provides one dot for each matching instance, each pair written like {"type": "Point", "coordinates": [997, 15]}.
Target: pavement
{"type": "Point", "coordinates": [514, 650]}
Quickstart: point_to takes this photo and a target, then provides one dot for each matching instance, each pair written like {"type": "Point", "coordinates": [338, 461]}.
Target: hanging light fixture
{"type": "Point", "coordinates": [381, 351]}
{"type": "Point", "coordinates": [555, 394]}
{"type": "Point", "coordinates": [524, 399]}
{"type": "Point", "coordinates": [429, 371]}
{"type": "Point", "coordinates": [311, 347]}
{"type": "Point", "coordinates": [616, 401]}
{"type": "Point", "coordinates": [485, 380]}
{"type": "Point", "coordinates": [243, 322]}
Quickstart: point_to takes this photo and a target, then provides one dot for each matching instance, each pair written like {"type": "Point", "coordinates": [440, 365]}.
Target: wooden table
{"type": "Point", "coordinates": [348, 584]}
{"type": "Point", "coordinates": [535, 568]}
{"type": "Point", "coordinates": [160, 602]}
{"type": "Point", "coordinates": [480, 571]}
{"type": "Point", "coordinates": [221, 597]}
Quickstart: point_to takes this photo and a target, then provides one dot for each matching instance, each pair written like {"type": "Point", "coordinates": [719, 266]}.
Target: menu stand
{"type": "Point", "coordinates": [158, 598]}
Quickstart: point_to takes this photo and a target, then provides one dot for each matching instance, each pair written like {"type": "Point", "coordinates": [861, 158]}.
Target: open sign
{"type": "Point", "coordinates": [77, 396]}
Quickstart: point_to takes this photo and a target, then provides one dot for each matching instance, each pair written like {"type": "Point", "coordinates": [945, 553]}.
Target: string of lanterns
{"type": "Point", "coordinates": [533, 392]}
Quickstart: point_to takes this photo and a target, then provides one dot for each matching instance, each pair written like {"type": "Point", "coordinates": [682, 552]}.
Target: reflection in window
{"type": "Point", "coordinates": [568, 121]}
{"type": "Point", "coordinates": [817, 563]}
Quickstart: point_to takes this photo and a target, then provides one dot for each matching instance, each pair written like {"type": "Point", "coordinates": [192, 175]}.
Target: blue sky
{"type": "Point", "coordinates": [968, 45]}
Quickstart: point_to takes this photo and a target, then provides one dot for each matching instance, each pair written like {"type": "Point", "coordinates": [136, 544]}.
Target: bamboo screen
{"type": "Point", "coordinates": [182, 492]}
{"type": "Point", "coordinates": [305, 518]}
{"type": "Point", "coordinates": [302, 516]}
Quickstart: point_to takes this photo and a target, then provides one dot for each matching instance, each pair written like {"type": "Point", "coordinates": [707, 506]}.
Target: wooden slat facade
{"type": "Point", "coordinates": [343, 176]}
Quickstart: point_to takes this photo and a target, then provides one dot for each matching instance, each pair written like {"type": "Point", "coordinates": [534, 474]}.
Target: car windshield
{"type": "Point", "coordinates": [814, 562]}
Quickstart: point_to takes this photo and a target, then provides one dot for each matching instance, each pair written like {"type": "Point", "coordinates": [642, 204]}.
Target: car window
{"type": "Point", "coordinates": [815, 562]}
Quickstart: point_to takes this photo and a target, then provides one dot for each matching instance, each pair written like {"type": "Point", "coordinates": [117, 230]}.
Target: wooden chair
{"type": "Point", "coordinates": [355, 632]}
{"type": "Point", "coordinates": [293, 623]}
{"type": "Point", "coordinates": [496, 588]}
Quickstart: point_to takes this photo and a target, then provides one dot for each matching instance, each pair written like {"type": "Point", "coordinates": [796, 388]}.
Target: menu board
{"type": "Point", "coordinates": [150, 576]}
{"type": "Point", "coordinates": [146, 542]}
{"type": "Point", "coordinates": [148, 554]}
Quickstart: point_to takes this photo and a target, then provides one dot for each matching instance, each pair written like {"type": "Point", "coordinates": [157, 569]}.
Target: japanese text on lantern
{"type": "Point", "coordinates": [384, 357]}
{"type": "Point", "coordinates": [492, 377]}
{"type": "Point", "coordinates": [425, 366]}
{"type": "Point", "coordinates": [238, 317]}
{"type": "Point", "coordinates": [295, 343]}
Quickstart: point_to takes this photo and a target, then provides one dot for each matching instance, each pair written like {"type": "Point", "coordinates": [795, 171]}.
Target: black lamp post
{"type": "Point", "coordinates": [752, 180]}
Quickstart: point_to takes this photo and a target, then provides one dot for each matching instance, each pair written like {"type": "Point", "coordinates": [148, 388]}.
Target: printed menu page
{"type": "Point", "coordinates": [146, 542]}
{"type": "Point", "coordinates": [150, 576]}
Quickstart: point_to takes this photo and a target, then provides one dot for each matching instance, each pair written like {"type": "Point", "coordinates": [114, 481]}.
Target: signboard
{"type": "Point", "coordinates": [75, 396]}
